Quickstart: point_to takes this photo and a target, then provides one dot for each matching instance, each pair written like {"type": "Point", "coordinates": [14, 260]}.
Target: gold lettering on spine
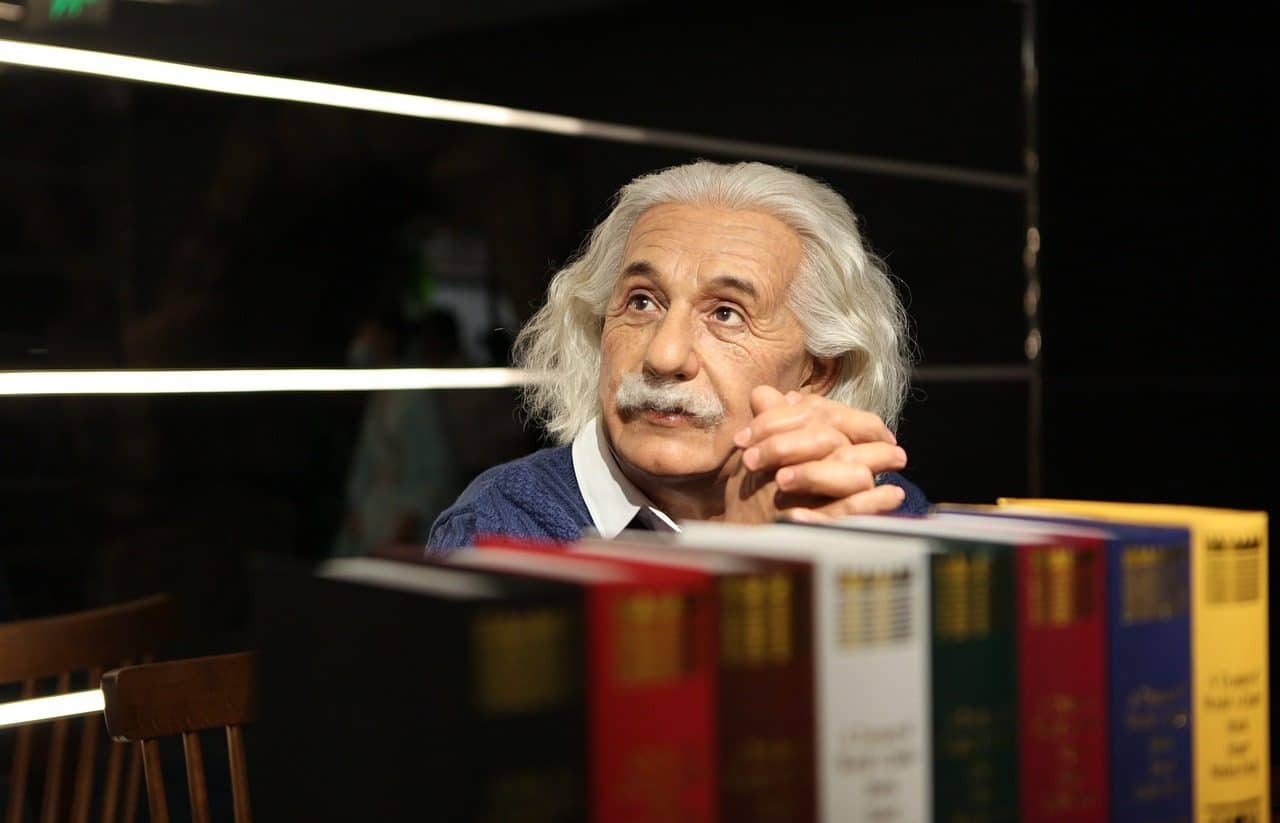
{"type": "Point", "coordinates": [1157, 712]}
{"type": "Point", "coordinates": [524, 661]}
{"type": "Point", "coordinates": [768, 770]}
{"type": "Point", "coordinates": [875, 607]}
{"type": "Point", "coordinates": [653, 632]}
{"type": "Point", "coordinates": [962, 596]}
{"type": "Point", "coordinates": [533, 793]}
{"type": "Point", "coordinates": [1234, 569]}
{"type": "Point", "coordinates": [1061, 588]}
{"type": "Point", "coordinates": [658, 780]}
{"type": "Point", "coordinates": [1060, 719]}
{"type": "Point", "coordinates": [1154, 585]}
{"type": "Point", "coordinates": [756, 620]}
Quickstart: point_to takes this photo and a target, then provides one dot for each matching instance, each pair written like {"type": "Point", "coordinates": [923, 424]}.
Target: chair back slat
{"type": "Point", "coordinates": [239, 774]}
{"type": "Point", "coordinates": [133, 788]}
{"type": "Point", "coordinates": [156, 800]}
{"type": "Point", "coordinates": [111, 780]}
{"type": "Point", "coordinates": [71, 651]}
{"type": "Point", "coordinates": [21, 763]}
{"type": "Point", "coordinates": [197, 791]}
{"type": "Point", "coordinates": [131, 780]}
{"type": "Point", "coordinates": [132, 783]}
{"type": "Point", "coordinates": [185, 697]}
{"type": "Point", "coordinates": [57, 758]}
{"type": "Point", "coordinates": [83, 795]}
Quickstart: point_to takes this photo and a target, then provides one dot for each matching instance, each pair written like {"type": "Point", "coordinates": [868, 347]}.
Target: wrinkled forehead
{"type": "Point", "coordinates": [673, 239]}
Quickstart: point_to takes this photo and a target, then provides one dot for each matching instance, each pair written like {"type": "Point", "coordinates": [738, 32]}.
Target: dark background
{"type": "Point", "coordinates": [143, 226]}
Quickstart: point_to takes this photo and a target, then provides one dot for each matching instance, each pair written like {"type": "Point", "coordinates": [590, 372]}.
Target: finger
{"type": "Point", "coordinates": [830, 478]}
{"type": "Point", "coordinates": [792, 447]}
{"type": "Point", "coordinates": [771, 422]}
{"type": "Point", "coordinates": [804, 515]}
{"type": "Point", "coordinates": [879, 457]}
{"type": "Point", "coordinates": [764, 398]}
{"type": "Point", "coordinates": [820, 443]}
{"type": "Point", "coordinates": [825, 478]}
{"type": "Point", "coordinates": [857, 425]}
{"type": "Point", "coordinates": [881, 499]}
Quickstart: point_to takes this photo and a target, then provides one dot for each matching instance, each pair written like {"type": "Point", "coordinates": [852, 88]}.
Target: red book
{"type": "Point", "coordinates": [1062, 694]}
{"type": "Point", "coordinates": [651, 678]}
{"type": "Point", "coordinates": [765, 658]}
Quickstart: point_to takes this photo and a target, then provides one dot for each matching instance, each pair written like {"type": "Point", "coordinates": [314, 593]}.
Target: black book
{"type": "Point", "coordinates": [395, 690]}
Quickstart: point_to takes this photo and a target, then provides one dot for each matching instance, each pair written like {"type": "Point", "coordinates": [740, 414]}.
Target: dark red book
{"type": "Point", "coordinates": [650, 680]}
{"type": "Point", "coordinates": [765, 659]}
{"type": "Point", "coordinates": [1062, 688]}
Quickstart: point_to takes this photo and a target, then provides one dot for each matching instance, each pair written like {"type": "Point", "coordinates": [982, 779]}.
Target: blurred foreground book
{"type": "Point", "coordinates": [393, 691]}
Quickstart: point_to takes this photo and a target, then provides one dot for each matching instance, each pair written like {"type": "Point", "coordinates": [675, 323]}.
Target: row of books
{"type": "Point", "coordinates": [1034, 660]}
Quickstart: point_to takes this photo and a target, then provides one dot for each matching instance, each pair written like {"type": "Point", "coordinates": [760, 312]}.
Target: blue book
{"type": "Point", "coordinates": [1148, 659]}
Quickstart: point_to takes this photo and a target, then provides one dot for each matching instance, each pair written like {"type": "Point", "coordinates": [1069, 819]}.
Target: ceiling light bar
{"type": "Point", "coordinates": [39, 709]}
{"type": "Point", "coordinates": [217, 381]}
{"type": "Point", "coordinates": [145, 70]}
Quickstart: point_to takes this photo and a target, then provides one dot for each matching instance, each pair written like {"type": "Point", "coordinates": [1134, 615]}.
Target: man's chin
{"type": "Point", "coordinates": [672, 454]}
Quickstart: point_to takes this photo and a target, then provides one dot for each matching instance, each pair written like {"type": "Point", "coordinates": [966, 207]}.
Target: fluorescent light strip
{"type": "Point", "coordinates": [16, 383]}
{"type": "Point", "coordinates": [223, 381]}
{"type": "Point", "coordinates": [123, 67]}
{"type": "Point", "coordinates": [39, 709]}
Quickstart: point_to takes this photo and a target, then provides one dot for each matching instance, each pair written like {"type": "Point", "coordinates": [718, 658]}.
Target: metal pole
{"type": "Point", "coordinates": [1033, 345]}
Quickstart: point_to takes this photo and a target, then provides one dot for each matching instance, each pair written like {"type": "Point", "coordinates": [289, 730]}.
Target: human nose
{"type": "Point", "coordinates": [671, 353]}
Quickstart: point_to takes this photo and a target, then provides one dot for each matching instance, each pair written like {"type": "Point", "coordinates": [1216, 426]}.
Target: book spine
{"type": "Point", "coordinates": [1230, 730]}
{"type": "Point", "coordinates": [527, 725]}
{"type": "Point", "coordinates": [873, 678]}
{"type": "Point", "coordinates": [974, 686]}
{"type": "Point", "coordinates": [1148, 609]}
{"type": "Point", "coordinates": [1062, 699]}
{"type": "Point", "coordinates": [651, 704]}
{"type": "Point", "coordinates": [766, 692]}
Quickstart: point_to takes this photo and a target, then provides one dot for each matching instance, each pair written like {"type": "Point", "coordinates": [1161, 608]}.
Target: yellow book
{"type": "Point", "coordinates": [1229, 649]}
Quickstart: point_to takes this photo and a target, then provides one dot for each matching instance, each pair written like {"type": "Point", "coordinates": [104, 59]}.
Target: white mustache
{"type": "Point", "coordinates": [636, 393]}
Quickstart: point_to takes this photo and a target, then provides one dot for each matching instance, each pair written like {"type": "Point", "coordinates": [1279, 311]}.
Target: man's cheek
{"type": "Point", "coordinates": [620, 344]}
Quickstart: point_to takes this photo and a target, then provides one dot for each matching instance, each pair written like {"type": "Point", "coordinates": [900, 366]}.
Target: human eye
{"type": "Point", "coordinates": [727, 315]}
{"type": "Point", "coordinates": [641, 301]}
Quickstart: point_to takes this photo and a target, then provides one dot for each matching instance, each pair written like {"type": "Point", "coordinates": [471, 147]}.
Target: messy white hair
{"type": "Point", "coordinates": [842, 295]}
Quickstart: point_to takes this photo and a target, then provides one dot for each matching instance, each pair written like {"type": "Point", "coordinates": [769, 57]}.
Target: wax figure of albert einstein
{"type": "Point", "coordinates": [724, 347]}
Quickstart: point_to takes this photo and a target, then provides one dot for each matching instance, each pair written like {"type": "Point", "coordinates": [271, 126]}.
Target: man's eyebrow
{"type": "Point", "coordinates": [640, 267]}
{"type": "Point", "coordinates": [728, 281]}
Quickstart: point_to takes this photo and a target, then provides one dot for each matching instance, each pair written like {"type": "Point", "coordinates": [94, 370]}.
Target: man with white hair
{"type": "Point", "coordinates": [724, 347]}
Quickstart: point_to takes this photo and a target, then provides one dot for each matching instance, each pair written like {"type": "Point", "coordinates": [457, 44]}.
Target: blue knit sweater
{"type": "Point", "coordinates": [537, 497]}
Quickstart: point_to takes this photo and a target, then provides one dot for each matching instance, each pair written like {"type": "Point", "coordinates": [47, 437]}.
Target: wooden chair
{"type": "Point", "coordinates": [74, 650]}
{"type": "Point", "coordinates": [184, 697]}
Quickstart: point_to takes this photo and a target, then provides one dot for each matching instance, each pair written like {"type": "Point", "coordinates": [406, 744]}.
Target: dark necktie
{"type": "Point", "coordinates": [640, 522]}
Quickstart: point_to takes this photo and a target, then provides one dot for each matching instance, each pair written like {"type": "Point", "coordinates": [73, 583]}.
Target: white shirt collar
{"type": "Point", "coordinates": [611, 498]}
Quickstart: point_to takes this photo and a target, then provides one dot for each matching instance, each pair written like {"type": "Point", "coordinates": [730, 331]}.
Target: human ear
{"type": "Point", "coordinates": [823, 374]}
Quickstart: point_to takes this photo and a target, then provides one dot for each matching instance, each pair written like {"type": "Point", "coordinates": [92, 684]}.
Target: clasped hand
{"type": "Point", "coordinates": [810, 459]}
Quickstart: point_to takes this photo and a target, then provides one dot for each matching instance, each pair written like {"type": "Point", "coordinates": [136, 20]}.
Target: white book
{"type": "Point", "coordinates": [871, 662]}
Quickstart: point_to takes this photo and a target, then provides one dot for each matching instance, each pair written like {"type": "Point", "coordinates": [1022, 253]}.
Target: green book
{"type": "Point", "coordinates": [973, 673]}
{"type": "Point", "coordinates": [974, 683]}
